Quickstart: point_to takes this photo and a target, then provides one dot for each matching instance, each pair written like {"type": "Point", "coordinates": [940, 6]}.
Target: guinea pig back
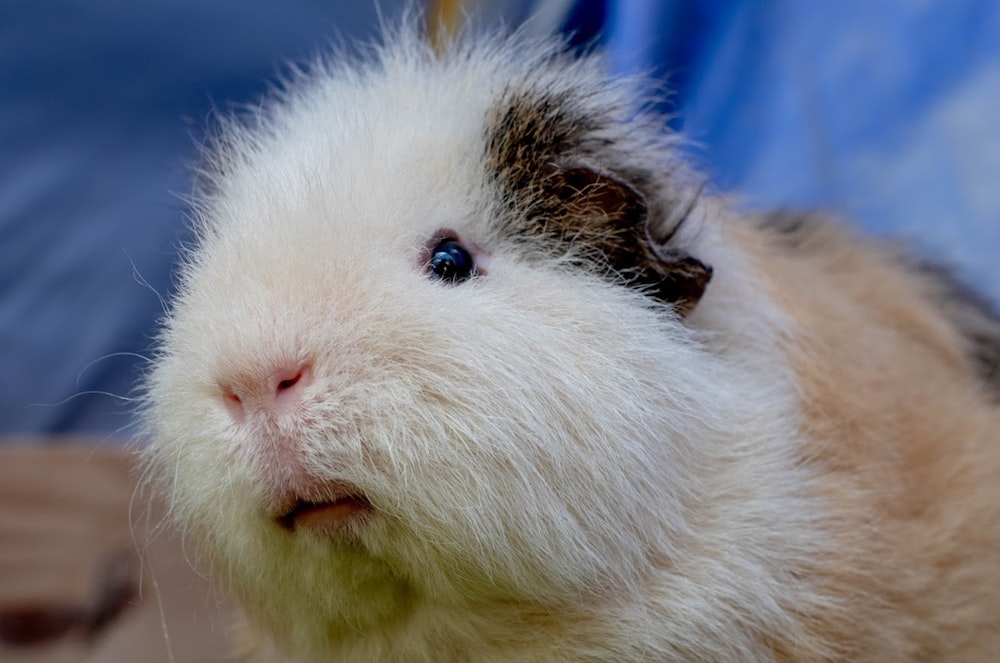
{"type": "Point", "coordinates": [466, 365]}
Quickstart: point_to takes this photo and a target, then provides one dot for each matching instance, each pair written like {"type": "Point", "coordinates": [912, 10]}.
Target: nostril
{"type": "Point", "coordinates": [233, 403]}
{"type": "Point", "coordinates": [287, 384]}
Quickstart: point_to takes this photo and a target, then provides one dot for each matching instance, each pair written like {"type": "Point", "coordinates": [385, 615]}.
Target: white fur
{"type": "Point", "coordinates": [561, 470]}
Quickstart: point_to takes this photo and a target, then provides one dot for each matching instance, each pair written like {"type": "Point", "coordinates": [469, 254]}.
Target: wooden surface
{"type": "Point", "coordinates": [81, 577]}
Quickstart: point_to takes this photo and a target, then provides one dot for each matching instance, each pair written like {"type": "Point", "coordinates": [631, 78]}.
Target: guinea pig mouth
{"type": "Point", "coordinates": [324, 516]}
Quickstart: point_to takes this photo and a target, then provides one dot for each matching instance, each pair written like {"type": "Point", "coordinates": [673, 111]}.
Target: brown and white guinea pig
{"type": "Point", "coordinates": [465, 366]}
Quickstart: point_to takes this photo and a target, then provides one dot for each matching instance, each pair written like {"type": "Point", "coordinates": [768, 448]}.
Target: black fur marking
{"type": "Point", "coordinates": [542, 152]}
{"type": "Point", "coordinates": [974, 317]}
{"type": "Point", "coordinates": [792, 229]}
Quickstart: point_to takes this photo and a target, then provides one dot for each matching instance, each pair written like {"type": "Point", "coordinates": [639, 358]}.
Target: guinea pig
{"type": "Point", "coordinates": [466, 364]}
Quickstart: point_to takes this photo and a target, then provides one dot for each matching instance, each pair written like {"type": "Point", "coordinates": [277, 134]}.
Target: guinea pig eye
{"type": "Point", "coordinates": [450, 261]}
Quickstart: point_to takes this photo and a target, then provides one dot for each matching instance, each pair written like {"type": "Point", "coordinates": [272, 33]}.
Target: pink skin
{"type": "Point", "coordinates": [279, 392]}
{"type": "Point", "coordinates": [325, 517]}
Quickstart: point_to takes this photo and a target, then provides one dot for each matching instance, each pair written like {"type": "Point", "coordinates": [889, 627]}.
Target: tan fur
{"type": "Point", "coordinates": [907, 448]}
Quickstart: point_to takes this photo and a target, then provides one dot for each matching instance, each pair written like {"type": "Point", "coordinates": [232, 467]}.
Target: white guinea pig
{"type": "Point", "coordinates": [465, 366]}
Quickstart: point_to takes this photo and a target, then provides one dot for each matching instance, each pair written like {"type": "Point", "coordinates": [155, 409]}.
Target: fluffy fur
{"type": "Point", "coordinates": [786, 454]}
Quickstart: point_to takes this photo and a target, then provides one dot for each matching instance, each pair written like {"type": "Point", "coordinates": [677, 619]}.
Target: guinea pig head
{"type": "Point", "coordinates": [430, 345]}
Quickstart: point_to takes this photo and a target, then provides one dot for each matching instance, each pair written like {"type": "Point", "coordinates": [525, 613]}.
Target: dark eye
{"type": "Point", "coordinates": [450, 261]}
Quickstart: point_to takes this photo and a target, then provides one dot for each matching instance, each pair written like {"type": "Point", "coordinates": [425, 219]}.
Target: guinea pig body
{"type": "Point", "coordinates": [463, 366]}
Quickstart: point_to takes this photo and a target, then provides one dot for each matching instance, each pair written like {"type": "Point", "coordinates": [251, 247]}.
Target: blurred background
{"type": "Point", "coordinates": [884, 112]}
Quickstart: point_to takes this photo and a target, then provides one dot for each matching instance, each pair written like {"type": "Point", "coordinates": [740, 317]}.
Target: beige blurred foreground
{"type": "Point", "coordinates": [78, 583]}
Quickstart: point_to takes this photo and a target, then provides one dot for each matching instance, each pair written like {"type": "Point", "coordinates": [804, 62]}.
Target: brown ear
{"type": "Point", "coordinates": [608, 214]}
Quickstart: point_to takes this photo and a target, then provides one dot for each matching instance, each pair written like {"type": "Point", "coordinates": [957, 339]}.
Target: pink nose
{"type": "Point", "coordinates": [279, 391]}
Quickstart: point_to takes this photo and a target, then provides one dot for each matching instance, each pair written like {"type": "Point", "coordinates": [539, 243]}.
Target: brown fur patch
{"type": "Point", "coordinates": [905, 444]}
{"type": "Point", "coordinates": [560, 189]}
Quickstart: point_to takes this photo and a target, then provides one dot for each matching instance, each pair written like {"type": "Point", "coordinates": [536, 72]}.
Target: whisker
{"type": "Point", "coordinates": [163, 617]}
{"type": "Point", "coordinates": [111, 355]}
{"type": "Point", "coordinates": [89, 392]}
{"type": "Point", "coordinates": [141, 280]}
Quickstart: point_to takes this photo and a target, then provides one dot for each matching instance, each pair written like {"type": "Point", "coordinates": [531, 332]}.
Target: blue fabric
{"type": "Point", "coordinates": [885, 112]}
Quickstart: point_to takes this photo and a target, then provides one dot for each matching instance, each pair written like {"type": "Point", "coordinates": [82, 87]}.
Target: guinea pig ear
{"type": "Point", "coordinates": [612, 217]}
